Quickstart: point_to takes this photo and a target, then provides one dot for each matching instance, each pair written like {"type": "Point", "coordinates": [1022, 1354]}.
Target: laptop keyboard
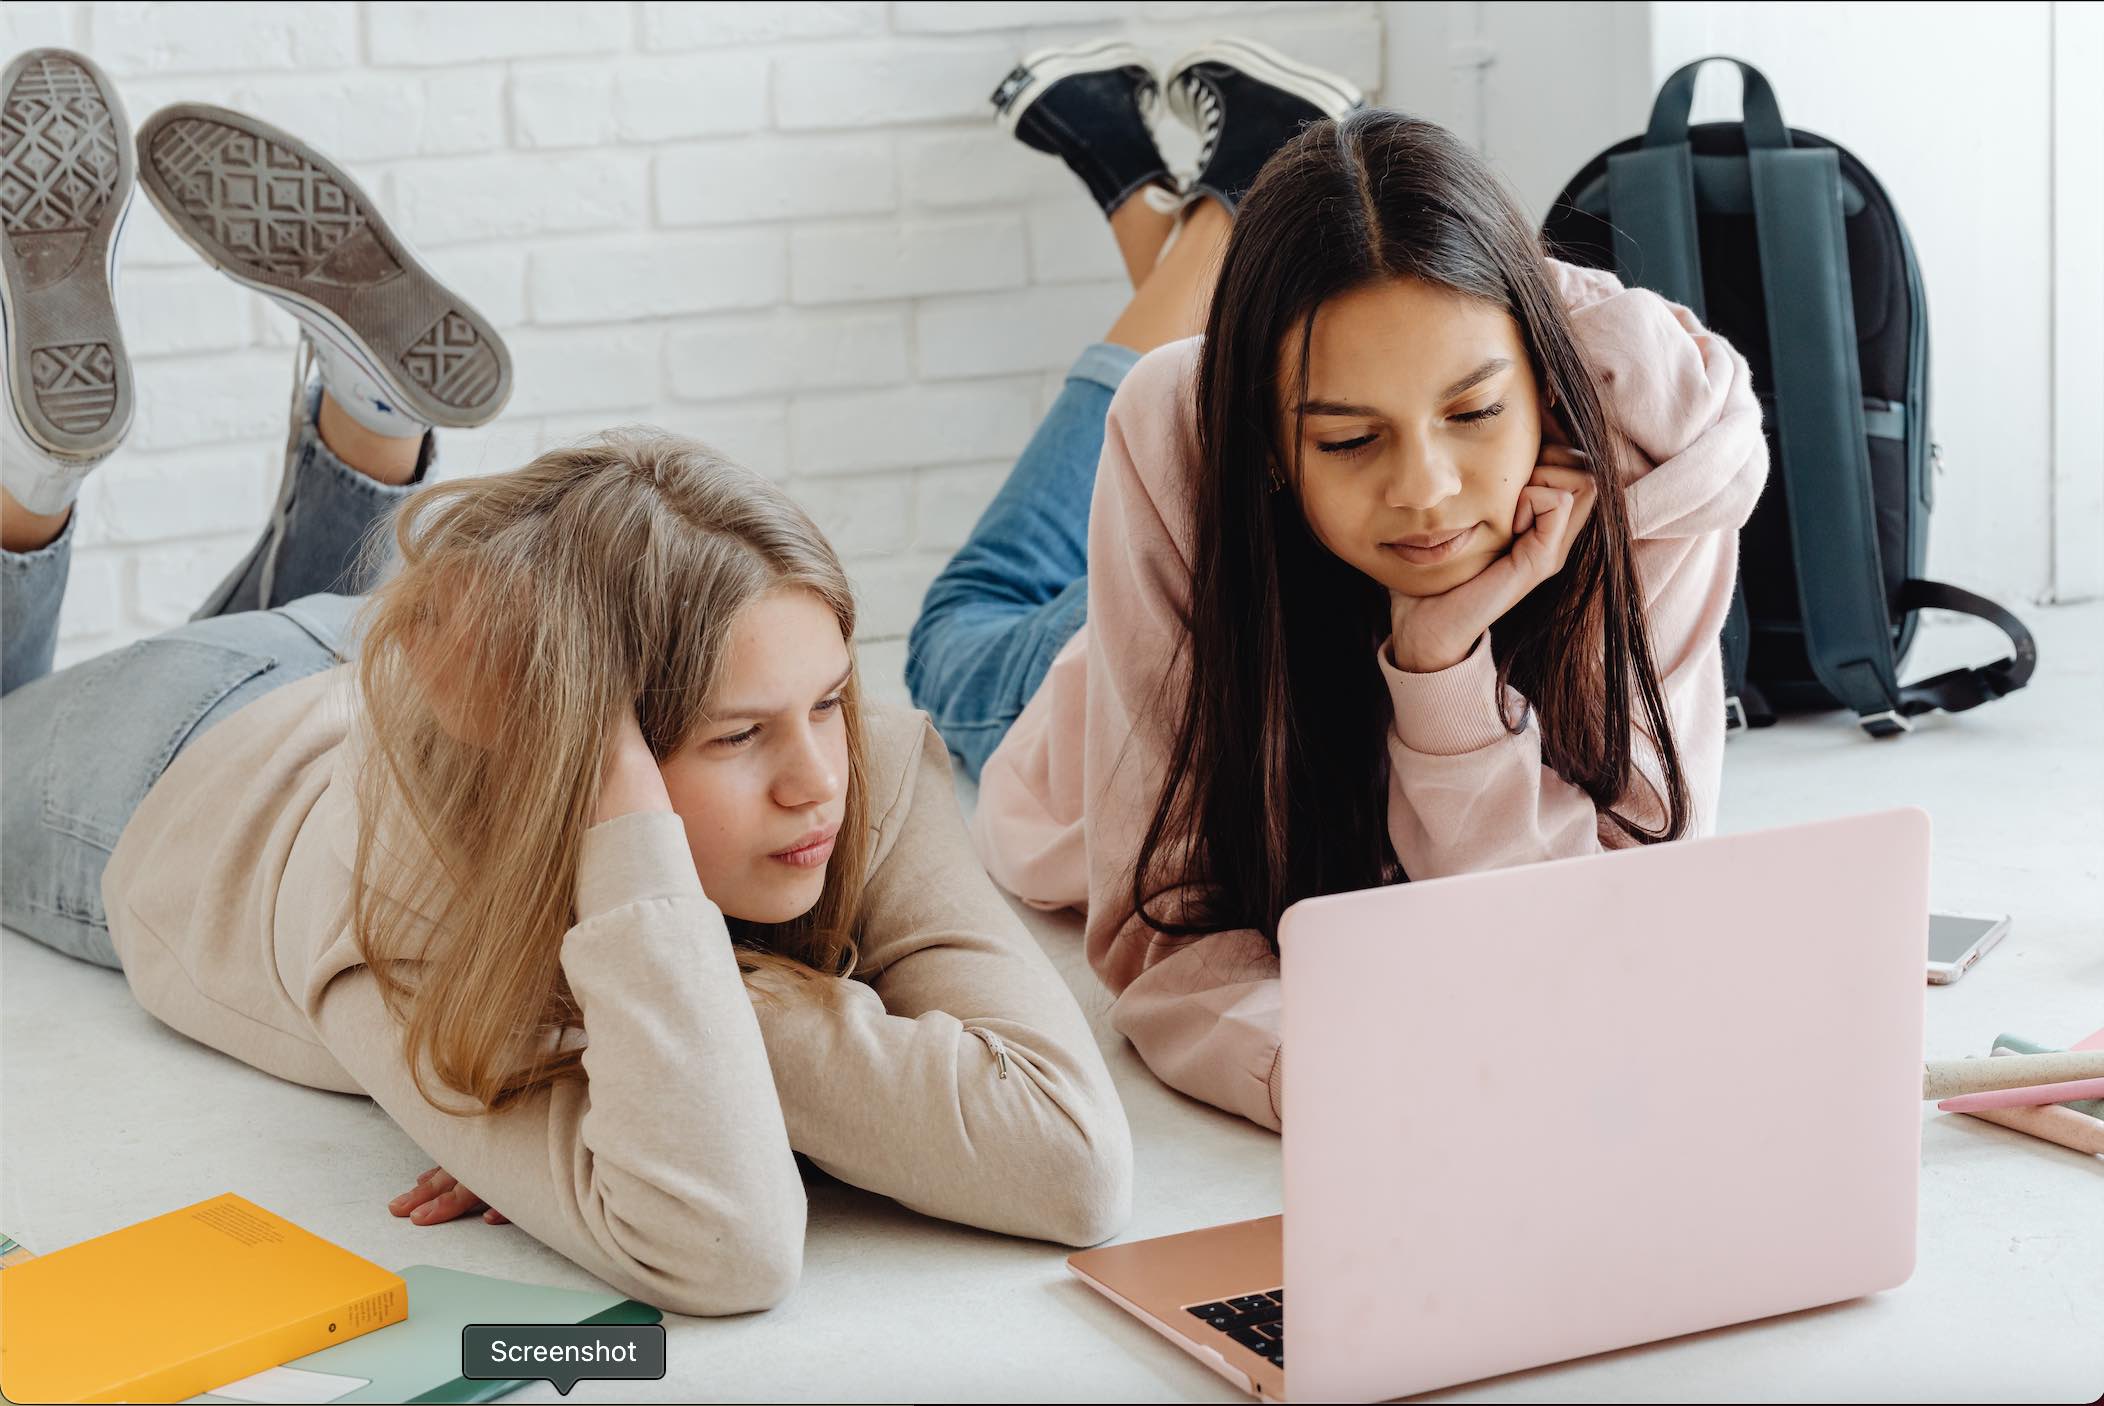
{"type": "Point", "coordinates": [1257, 1321]}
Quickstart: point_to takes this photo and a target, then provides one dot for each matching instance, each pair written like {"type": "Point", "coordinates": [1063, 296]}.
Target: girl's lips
{"type": "Point", "coordinates": [1427, 556]}
{"type": "Point", "coordinates": [812, 854]}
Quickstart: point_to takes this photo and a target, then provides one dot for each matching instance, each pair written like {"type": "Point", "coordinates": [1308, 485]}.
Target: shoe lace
{"type": "Point", "coordinates": [295, 425]}
{"type": "Point", "coordinates": [1205, 102]}
{"type": "Point", "coordinates": [1150, 104]}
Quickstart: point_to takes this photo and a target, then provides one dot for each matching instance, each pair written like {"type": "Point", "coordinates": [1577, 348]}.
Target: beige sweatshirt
{"type": "Point", "coordinates": [955, 1072]}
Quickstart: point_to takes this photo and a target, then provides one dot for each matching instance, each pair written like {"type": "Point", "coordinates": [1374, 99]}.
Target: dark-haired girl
{"type": "Point", "coordinates": [1414, 564]}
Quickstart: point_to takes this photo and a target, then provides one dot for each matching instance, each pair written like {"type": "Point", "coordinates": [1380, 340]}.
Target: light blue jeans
{"type": "Point", "coordinates": [80, 748]}
{"type": "Point", "coordinates": [1017, 590]}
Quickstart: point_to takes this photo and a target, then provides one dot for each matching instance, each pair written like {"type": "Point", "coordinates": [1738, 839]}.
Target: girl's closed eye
{"type": "Point", "coordinates": [1348, 446]}
{"type": "Point", "coordinates": [1354, 445]}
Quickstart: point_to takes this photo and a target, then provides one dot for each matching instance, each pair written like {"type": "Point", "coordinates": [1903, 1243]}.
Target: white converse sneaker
{"type": "Point", "coordinates": [65, 188]}
{"type": "Point", "coordinates": [397, 348]}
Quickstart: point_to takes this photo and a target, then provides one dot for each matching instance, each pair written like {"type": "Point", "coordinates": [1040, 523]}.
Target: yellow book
{"type": "Point", "coordinates": [176, 1305]}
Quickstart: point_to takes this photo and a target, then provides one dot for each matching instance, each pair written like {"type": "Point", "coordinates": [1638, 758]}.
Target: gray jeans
{"type": "Point", "coordinates": [80, 748]}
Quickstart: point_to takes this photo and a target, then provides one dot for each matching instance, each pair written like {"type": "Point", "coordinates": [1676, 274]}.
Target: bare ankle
{"type": "Point", "coordinates": [385, 458]}
{"type": "Point", "coordinates": [1141, 228]}
{"type": "Point", "coordinates": [1173, 302]}
{"type": "Point", "coordinates": [24, 531]}
{"type": "Point", "coordinates": [1207, 223]}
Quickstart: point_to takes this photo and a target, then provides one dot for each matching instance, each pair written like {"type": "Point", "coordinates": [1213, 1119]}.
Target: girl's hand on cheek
{"type": "Point", "coordinates": [1430, 633]}
{"type": "Point", "coordinates": [1553, 509]}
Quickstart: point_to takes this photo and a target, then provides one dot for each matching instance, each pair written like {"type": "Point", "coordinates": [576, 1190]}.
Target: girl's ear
{"type": "Point", "coordinates": [1553, 428]}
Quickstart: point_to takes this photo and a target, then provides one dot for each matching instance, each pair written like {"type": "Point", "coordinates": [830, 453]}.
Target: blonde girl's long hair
{"type": "Point", "coordinates": [528, 610]}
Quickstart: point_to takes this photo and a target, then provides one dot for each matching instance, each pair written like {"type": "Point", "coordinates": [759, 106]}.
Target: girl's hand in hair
{"type": "Point", "coordinates": [437, 1197]}
{"type": "Point", "coordinates": [630, 780]}
{"type": "Point", "coordinates": [1430, 633]}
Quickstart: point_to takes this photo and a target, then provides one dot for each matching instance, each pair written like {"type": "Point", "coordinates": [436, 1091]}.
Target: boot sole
{"type": "Point", "coordinates": [274, 214]}
{"type": "Point", "coordinates": [66, 183]}
{"type": "Point", "coordinates": [1332, 93]}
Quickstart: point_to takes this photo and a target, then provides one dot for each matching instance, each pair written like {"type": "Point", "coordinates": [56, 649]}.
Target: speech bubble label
{"type": "Point", "coordinates": [563, 1354]}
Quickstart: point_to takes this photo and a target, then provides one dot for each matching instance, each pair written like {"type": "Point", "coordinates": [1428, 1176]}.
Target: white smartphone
{"type": "Point", "coordinates": [1957, 940]}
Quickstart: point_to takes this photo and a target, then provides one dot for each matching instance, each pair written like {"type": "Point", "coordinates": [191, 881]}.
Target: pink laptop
{"type": "Point", "coordinates": [1547, 1111]}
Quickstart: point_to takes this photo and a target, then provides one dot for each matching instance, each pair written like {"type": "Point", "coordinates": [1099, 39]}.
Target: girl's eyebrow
{"type": "Point", "coordinates": [723, 714]}
{"type": "Point", "coordinates": [1339, 407]}
{"type": "Point", "coordinates": [1482, 373]}
{"type": "Point", "coordinates": [1347, 409]}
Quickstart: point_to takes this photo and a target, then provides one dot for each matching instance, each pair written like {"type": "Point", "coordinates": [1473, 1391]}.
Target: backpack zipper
{"type": "Point", "coordinates": [993, 1042]}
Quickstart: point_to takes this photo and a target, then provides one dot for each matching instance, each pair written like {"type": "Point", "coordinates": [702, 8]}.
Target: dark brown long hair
{"type": "Point", "coordinates": [1274, 790]}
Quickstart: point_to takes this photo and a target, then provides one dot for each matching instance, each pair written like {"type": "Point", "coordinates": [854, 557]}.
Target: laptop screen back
{"type": "Point", "coordinates": [1541, 1112]}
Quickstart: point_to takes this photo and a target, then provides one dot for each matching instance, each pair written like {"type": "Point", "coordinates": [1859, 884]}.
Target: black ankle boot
{"type": "Point", "coordinates": [1093, 106]}
{"type": "Point", "coordinates": [1246, 100]}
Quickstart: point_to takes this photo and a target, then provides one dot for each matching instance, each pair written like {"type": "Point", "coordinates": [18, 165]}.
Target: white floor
{"type": "Point", "coordinates": [109, 1118]}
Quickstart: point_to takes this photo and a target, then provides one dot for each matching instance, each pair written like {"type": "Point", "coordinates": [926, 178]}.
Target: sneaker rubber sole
{"type": "Point", "coordinates": [274, 214]}
{"type": "Point", "coordinates": [1041, 68]}
{"type": "Point", "coordinates": [1332, 93]}
{"type": "Point", "coordinates": [65, 187]}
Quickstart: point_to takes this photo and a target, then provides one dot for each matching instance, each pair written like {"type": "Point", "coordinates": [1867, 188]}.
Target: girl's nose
{"type": "Point", "coordinates": [810, 777]}
{"type": "Point", "coordinates": [1421, 479]}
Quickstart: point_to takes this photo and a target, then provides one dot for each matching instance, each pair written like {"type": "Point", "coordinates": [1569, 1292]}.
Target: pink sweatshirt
{"type": "Point", "coordinates": [1064, 800]}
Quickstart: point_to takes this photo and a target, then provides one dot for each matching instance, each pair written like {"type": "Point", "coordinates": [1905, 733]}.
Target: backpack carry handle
{"type": "Point", "coordinates": [1652, 190]}
{"type": "Point", "coordinates": [1761, 116]}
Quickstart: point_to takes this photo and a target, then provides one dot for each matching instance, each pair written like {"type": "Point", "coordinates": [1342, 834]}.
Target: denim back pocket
{"type": "Point", "coordinates": [124, 722]}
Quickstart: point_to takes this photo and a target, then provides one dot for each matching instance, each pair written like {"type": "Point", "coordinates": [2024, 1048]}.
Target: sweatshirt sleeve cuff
{"type": "Point", "coordinates": [634, 857]}
{"type": "Point", "coordinates": [1450, 711]}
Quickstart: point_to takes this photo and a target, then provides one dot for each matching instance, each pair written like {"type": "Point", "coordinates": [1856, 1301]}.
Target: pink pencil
{"type": "Point", "coordinates": [2028, 1096]}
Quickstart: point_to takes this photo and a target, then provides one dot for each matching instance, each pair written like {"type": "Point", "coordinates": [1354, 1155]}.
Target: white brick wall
{"type": "Point", "coordinates": [790, 229]}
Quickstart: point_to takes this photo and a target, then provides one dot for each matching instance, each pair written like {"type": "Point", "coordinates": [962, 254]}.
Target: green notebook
{"type": "Point", "coordinates": [419, 1359]}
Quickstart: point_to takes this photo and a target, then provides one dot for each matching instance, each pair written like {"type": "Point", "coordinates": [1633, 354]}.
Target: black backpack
{"type": "Point", "coordinates": [1787, 245]}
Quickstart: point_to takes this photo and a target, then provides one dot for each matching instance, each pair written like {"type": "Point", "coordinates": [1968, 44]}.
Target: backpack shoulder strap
{"type": "Point", "coordinates": [1819, 430]}
{"type": "Point", "coordinates": [1651, 202]}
